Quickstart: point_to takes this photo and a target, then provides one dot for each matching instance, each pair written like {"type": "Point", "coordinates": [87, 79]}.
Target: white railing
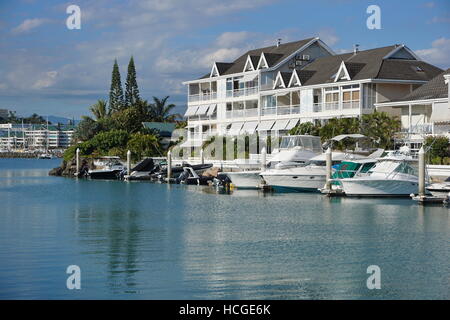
{"type": "Point", "coordinates": [202, 117]}
{"type": "Point", "coordinates": [202, 97]}
{"type": "Point", "coordinates": [423, 128]}
{"type": "Point", "coordinates": [331, 105]}
{"type": "Point", "coordinates": [317, 107]}
{"type": "Point", "coordinates": [241, 113]}
{"type": "Point", "coordinates": [242, 92]}
{"type": "Point", "coordinates": [350, 104]}
{"type": "Point", "coordinates": [268, 112]}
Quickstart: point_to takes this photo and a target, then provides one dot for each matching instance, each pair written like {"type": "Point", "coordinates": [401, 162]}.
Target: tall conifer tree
{"type": "Point", "coordinates": [116, 92]}
{"type": "Point", "coordinates": [131, 86]}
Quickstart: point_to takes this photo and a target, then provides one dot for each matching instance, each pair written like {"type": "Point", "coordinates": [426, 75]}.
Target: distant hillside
{"type": "Point", "coordinates": [62, 120]}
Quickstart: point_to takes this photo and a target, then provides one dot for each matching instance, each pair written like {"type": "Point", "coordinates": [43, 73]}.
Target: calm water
{"type": "Point", "coordinates": [154, 241]}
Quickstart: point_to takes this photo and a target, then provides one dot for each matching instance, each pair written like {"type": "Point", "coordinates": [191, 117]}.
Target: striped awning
{"type": "Point", "coordinates": [292, 123]}
{"type": "Point", "coordinates": [265, 125]}
{"type": "Point", "coordinates": [235, 128]}
{"type": "Point", "coordinates": [249, 127]}
{"type": "Point", "coordinates": [191, 111]}
{"type": "Point", "coordinates": [212, 109]}
{"type": "Point", "coordinates": [202, 110]}
{"type": "Point", "coordinates": [280, 124]}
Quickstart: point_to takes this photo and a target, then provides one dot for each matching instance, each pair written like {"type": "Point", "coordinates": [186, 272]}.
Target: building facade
{"type": "Point", "coordinates": [27, 136]}
{"type": "Point", "coordinates": [270, 90]}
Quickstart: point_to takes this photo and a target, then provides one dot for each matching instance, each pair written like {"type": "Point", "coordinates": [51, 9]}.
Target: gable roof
{"type": "Point", "coordinates": [436, 88]}
{"type": "Point", "coordinates": [273, 54]}
{"type": "Point", "coordinates": [368, 64]}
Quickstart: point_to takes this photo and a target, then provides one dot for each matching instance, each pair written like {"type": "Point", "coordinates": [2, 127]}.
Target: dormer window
{"type": "Point", "coordinates": [214, 71]}
{"type": "Point", "coordinates": [263, 62]}
{"type": "Point", "coordinates": [342, 73]}
{"type": "Point", "coordinates": [249, 65]}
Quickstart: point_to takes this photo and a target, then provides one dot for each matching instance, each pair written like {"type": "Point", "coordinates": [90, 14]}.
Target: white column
{"type": "Point", "coordinates": [169, 165]}
{"type": "Point", "coordinates": [410, 117]}
{"type": "Point", "coordinates": [329, 160]}
{"type": "Point", "coordinates": [78, 161]}
{"type": "Point", "coordinates": [421, 172]}
{"type": "Point", "coordinates": [263, 159]}
{"type": "Point", "coordinates": [129, 162]}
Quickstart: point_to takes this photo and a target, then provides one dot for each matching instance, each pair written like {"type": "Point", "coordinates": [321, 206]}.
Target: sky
{"type": "Point", "coordinates": [48, 69]}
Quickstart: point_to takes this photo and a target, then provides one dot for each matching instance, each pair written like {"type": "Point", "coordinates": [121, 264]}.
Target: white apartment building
{"type": "Point", "coordinates": [17, 136]}
{"type": "Point", "coordinates": [270, 90]}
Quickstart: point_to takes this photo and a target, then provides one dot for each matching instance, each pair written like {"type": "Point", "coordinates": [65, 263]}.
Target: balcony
{"type": "Point", "coordinates": [242, 92]}
{"type": "Point", "coordinates": [423, 128]}
{"type": "Point", "coordinates": [202, 97]}
{"type": "Point", "coordinates": [333, 106]}
{"type": "Point", "coordinates": [242, 113]}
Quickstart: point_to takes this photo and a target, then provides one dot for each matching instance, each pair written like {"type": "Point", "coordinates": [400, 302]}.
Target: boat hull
{"type": "Point", "coordinates": [294, 183]}
{"type": "Point", "coordinates": [106, 175]}
{"type": "Point", "coordinates": [378, 187]}
{"type": "Point", "coordinates": [245, 179]}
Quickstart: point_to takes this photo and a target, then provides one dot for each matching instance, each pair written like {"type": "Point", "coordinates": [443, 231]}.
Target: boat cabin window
{"type": "Point", "coordinates": [406, 168]}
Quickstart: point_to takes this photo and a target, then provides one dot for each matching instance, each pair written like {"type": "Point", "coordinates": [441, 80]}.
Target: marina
{"type": "Point", "coordinates": [166, 241]}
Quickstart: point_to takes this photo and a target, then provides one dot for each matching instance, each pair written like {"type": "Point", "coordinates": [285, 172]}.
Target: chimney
{"type": "Point", "coordinates": [278, 42]}
{"type": "Point", "coordinates": [355, 48]}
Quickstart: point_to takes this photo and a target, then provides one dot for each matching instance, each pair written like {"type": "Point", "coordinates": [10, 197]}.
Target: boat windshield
{"type": "Point", "coordinates": [306, 142]}
{"type": "Point", "coordinates": [406, 169]}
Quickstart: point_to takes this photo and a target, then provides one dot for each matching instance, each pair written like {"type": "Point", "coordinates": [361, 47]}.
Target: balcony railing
{"type": "Point", "coordinates": [350, 104]}
{"type": "Point", "coordinates": [331, 106]}
{"type": "Point", "coordinates": [423, 128]}
{"type": "Point", "coordinates": [202, 117]}
{"type": "Point", "coordinates": [202, 97]}
{"type": "Point", "coordinates": [242, 92]}
{"type": "Point", "coordinates": [268, 111]}
{"type": "Point", "coordinates": [241, 113]}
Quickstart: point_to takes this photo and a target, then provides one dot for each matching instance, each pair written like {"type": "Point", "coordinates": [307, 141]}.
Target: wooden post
{"type": "Point", "coordinates": [169, 165]}
{"type": "Point", "coordinates": [129, 162]}
{"type": "Point", "coordinates": [329, 161]}
{"type": "Point", "coordinates": [78, 162]}
{"type": "Point", "coordinates": [263, 159]}
{"type": "Point", "coordinates": [202, 156]}
{"type": "Point", "coordinates": [421, 172]}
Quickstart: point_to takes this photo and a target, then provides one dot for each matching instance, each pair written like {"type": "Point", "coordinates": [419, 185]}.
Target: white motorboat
{"type": "Point", "coordinates": [440, 189]}
{"type": "Point", "coordinates": [107, 168]}
{"type": "Point", "coordinates": [308, 178]}
{"type": "Point", "coordinates": [392, 176]}
{"type": "Point", "coordinates": [293, 151]}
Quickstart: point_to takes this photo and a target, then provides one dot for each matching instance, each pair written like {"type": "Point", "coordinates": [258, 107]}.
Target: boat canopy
{"type": "Point", "coordinates": [344, 136]}
{"type": "Point", "coordinates": [307, 142]}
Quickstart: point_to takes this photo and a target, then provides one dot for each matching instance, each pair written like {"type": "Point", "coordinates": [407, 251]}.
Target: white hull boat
{"type": "Point", "coordinates": [303, 179]}
{"type": "Point", "coordinates": [245, 179]}
{"type": "Point", "coordinates": [366, 187]}
{"type": "Point", "coordinates": [441, 190]}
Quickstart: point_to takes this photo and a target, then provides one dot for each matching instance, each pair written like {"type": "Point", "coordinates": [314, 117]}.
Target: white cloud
{"type": "Point", "coordinates": [328, 36]}
{"type": "Point", "coordinates": [28, 25]}
{"type": "Point", "coordinates": [46, 79]}
{"type": "Point", "coordinates": [438, 54]}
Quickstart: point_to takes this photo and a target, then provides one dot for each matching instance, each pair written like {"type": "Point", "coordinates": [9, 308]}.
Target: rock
{"type": "Point", "coordinates": [69, 168]}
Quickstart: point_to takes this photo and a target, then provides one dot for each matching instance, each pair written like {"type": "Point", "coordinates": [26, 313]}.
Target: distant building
{"type": "Point", "coordinates": [18, 136]}
{"type": "Point", "coordinates": [164, 129]}
{"type": "Point", "coordinates": [4, 113]}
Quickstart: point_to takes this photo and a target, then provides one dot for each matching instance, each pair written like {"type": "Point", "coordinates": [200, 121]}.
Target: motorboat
{"type": "Point", "coordinates": [107, 168]}
{"type": "Point", "coordinates": [393, 175]}
{"type": "Point", "coordinates": [190, 176]}
{"type": "Point", "coordinates": [293, 151]}
{"type": "Point", "coordinates": [160, 171]}
{"type": "Point", "coordinates": [440, 189]}
{"type": "Point", "coordinates": [45, 156]}
{"type": "Point", "coordinates": [307, 178]}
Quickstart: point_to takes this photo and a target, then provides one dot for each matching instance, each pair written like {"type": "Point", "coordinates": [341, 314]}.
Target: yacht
{"type": "Point", "coordinates": [307, 178]}
{"type": "Point", "coordinates": [293, 151]}
{"type": "Point", "coordinates": [440, 189]}
{"type": "Point", "coordinates": [107, 168]}
{"type": "Point", "coordinates": [393, 175]}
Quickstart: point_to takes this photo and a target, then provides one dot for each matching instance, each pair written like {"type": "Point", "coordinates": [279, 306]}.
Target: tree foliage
{"type": "Point", "coordinates": [437, 149]}
{"type": "Point", "coordinates": [116, 92]}
{"type": "Point", "coordinates": [131, 86]}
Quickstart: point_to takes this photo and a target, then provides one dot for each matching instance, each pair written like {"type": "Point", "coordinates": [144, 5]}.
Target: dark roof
{"type": "Point", "coordinates": [286, 76]}
{"type": "Point", "coordinates": [304, 75]}
{"type": "Point", "coordinates": [222, 67]}
{"type": "Point", "coordinates": [369, 64]}
{"type": "Point", "coordinates": [273, 54]}
{"type": "Point", "coordinates": [436, 88]}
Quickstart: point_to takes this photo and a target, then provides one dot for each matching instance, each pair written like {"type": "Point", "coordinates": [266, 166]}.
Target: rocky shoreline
{"type": "Point", "coordinates": [69, 168]}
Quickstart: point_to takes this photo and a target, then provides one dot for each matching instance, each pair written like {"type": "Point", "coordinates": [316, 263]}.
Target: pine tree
{"type": "Point", "coordinates": [131, 87]}
{"type": "Point", "coordinates": [116, 93]}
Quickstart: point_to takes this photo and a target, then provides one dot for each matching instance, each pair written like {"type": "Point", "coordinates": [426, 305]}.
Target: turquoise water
{"type": "Point", "coordinates": [153, 241]}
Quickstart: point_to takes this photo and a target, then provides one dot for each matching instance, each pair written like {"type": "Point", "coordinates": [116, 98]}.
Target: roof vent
{"type": "Point", "coordinates": [355, 48]}
{"type": "Point", "coordinates": [278, 42]}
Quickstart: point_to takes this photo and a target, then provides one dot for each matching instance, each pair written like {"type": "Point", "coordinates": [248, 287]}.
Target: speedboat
{"type": "Point", "coordinates": [307, 178]}
{"type": "Point", "coordinates": [293, 151]}
{"type": "Point", "coordinates": [45, 156]}
{"type": "Point", "coordinates": [107, 168]}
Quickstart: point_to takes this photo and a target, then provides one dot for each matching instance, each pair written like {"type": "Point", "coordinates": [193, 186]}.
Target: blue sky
{"type": "Point", "coordinates": [51, 70]}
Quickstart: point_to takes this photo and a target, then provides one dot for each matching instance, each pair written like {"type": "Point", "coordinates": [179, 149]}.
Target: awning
{"type": "Point", "coordinates": [191, 143]}
{"type": "Point", "coordinates": [235, 128]}
{"type": "Point", "coordinates": [265, 125]}
{"type": "Point", "coordinates": [249, 127]}
{"type": "Point", "coordinates": [280, 124]}
{"type": "Point", "coordinates": [248, 77]}
{"type": "Point", "coordinates": [191, 111]}
{"type": "Point", "coordinates": [292, 123]}
{"type": "Point", "coordinates": [212, 109]}
{"type": "Point", "coordinates": [202, 110]}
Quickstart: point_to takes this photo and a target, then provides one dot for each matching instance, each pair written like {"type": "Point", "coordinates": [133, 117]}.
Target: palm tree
{"type": "Point", "coordinates": [99, 109]}
{"type": "Point", "coordinates": [160, 112]}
